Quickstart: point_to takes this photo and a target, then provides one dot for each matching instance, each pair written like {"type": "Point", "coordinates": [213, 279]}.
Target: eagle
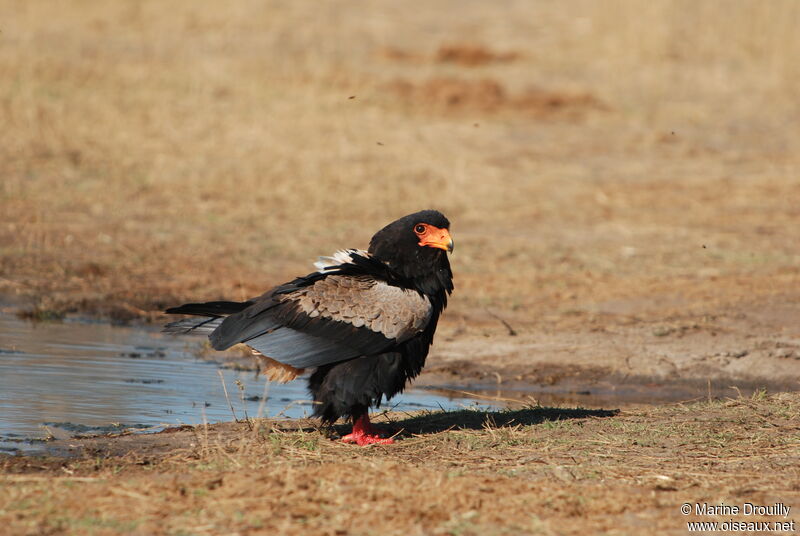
{"type": "Point", "coordinates": [362, 323]}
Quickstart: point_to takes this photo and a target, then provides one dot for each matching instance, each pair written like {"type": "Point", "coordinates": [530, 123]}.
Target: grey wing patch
{"type": "Point", "coordinates": [298, 349]}
{"type": "Point", "coordinates": [394, 312]}
{"type": "Point", "coordinates": [202, 324]}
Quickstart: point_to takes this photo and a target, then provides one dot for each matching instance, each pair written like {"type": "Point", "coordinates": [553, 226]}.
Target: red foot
{"type": "Point", "coordinates": [364, 434]}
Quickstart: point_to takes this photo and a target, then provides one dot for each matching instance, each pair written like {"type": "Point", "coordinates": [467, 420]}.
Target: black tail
{"type": "Point", "coordinates": [210, 314]}
{"type": "Point", "coordinates": [214, 308]}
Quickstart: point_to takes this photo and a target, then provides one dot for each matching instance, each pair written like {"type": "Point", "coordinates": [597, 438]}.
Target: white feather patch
{"type": "Point", "coordinates": [343, 256]}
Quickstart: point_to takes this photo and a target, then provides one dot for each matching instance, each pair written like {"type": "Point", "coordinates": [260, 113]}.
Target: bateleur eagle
{"type": "Point", "coordinates": [364, 321]}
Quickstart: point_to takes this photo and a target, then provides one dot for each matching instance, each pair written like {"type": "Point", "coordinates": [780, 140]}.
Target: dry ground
{"type": "Point", "coordinates": [623, 180]}
{"type": "Point", "coordinates": [529, 471]}
{"type": "Point", "coordinates": [584, 153]}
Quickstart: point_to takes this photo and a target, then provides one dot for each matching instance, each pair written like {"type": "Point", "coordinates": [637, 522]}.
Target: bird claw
{"type": "Point", "coordinates": [364, 434]}
{"type": "Point", "coordinates": [362, 439]}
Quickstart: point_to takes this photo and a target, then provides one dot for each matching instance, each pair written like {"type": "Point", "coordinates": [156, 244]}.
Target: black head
{"type": "Point", "coordinates": [416, 247]}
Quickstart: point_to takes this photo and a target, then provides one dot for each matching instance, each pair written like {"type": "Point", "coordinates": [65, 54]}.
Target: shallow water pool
{"type": "Point", "coordinates": [60, 379]}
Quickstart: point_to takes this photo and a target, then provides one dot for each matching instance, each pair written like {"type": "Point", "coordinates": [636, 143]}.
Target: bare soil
{"type": "Point", "coordinates": [488, 96]}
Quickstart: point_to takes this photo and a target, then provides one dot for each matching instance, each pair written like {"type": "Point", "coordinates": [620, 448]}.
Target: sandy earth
{"type": "Point", "coordinates": [612, 345]}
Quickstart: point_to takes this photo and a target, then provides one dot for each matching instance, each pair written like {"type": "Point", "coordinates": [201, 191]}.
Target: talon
{"type": "Point", "coordinates": [364, 434]}
{"type": "Point", "coordinates": [362, 440]}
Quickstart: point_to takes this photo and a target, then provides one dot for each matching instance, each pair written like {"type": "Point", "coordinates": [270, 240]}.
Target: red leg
{"type": "Point", "coordinates": [364, 434]}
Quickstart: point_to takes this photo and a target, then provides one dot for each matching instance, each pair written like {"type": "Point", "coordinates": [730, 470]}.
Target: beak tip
{"type": "Point", "coordinates": [451, 246]}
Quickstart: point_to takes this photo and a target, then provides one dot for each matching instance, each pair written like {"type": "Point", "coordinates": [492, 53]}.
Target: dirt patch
{"type": "Point", "coordinates": [465, 370]}
{"type": "Point", "coordinates": [487, 95]}
{"type": "Point", "coordinates": [462, 54]}
{"type": "Point", "coordinates": [629, 354]}
{"type": "Point", "coordinates": [473, 55]}
{"type": "Point", "coordinates": [532, 470]}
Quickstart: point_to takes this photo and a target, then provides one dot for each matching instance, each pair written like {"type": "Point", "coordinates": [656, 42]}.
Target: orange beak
{"type": "Point", "coordinates": [437, 238]}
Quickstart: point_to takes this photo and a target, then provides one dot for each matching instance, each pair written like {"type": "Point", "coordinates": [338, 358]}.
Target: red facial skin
{"type": "Point", "coordinates": [364, 434]}
{"type": "Point", "coordinates": [433, 237]}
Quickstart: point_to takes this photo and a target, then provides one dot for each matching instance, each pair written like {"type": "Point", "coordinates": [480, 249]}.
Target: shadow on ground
{"type": "Point", "coordinates": [434, 422]}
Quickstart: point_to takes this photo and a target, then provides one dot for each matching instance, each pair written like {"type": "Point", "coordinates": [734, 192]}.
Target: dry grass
{"type": "Point", "coordinates": [150, 154]}
{"type": "Point", "coordinates": [530, 471]}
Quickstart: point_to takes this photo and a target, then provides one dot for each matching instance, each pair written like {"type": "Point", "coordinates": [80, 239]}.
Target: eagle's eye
{"type": "Point", "coordinates": [420, 228]}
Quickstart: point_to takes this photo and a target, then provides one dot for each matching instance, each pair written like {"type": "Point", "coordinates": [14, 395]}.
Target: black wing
{"type": "Point", "coordinates": [210, 316]}
{"type": "Point", "coordinates": [334, 318]}
{"type": "Point", "coordinates": [354, 306]}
